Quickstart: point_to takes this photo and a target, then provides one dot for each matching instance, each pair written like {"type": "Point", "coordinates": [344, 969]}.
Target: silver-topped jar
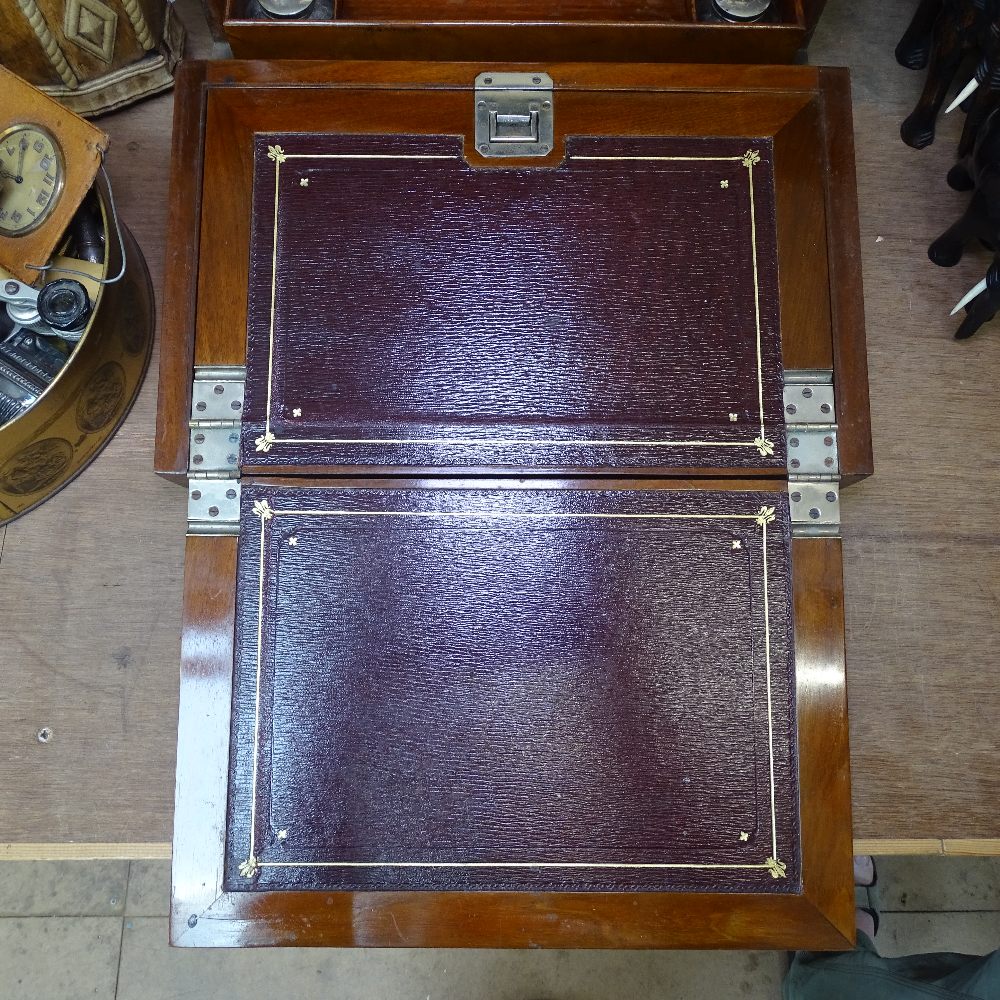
{"type": "Point", "coordinates": [741, 11]}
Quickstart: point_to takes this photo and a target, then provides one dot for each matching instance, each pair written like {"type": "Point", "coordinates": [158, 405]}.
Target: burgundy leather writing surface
{"type": "Point", "coordinates": [513, 689]}
{"type": "Point", "coordinates": [620, 310]}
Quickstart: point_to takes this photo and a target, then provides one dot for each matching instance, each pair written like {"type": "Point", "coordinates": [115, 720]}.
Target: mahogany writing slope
{"type": "Point", "coordinates": [513, 406]}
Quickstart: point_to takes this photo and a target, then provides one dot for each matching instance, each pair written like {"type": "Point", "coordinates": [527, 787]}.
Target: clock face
{"type": "Point", "coordinates": [31, 178]}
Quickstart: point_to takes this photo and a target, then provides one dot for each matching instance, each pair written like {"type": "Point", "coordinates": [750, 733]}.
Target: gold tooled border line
{"type": "Point", "coordinates": [250, 867]}
{"type": "Point", "coordinates": [268, 439]}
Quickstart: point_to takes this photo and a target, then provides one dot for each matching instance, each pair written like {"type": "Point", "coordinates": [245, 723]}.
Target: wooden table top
{"type": "Point", "coordinates": [90, 583]}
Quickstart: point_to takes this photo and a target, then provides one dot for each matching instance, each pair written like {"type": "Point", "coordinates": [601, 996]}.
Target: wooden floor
{"type": "Point", "coordinates": [90, 584]}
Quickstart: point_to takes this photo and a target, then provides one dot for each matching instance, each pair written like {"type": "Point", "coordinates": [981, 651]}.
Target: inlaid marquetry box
{"type": "Point", "coordinates": [513, 405]}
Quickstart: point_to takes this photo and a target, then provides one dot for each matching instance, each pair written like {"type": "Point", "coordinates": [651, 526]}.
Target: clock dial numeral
{"type": "Point", "coordinates": [31, 172]}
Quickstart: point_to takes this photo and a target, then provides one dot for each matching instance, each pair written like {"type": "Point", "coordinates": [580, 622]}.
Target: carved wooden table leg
{"type": "Point", "coordinates": [914, 47]}
{"type": "Point", "coordinates": [984, 306]}
{"type": "Point", "coordinates": [955, 33]}
{"type": "Point", "coordinates": [985, 97]}
{"type": "Point", "coordinates": [981, 220]}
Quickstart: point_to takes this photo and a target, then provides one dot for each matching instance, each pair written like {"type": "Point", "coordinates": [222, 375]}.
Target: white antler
{"type": "Point", "coordinates": [963, 94]}
{"type": "Point", "coordinates": [970, 295]}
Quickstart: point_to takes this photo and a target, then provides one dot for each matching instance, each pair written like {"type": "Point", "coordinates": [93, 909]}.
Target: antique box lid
{"type": "Point", "coordinates": [634, 296]}
{"type": "Point", "coordinates": [485, 689]}
{"type": "Point", "coordinates": [409, 309]}
{"type": "Point", "coordinates": [588, 713]}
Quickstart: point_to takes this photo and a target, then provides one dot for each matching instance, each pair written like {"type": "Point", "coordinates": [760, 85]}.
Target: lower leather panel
{"type": "Point", "coordinates": [505, 689]}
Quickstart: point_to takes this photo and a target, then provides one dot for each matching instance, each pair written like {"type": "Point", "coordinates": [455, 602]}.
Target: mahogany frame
{"type": "Point", "coordinates": [217, 110]}
{"type": "Point", "coordinates": [821, 917]}
{"type": "Point", "coordinates": [220, 105]}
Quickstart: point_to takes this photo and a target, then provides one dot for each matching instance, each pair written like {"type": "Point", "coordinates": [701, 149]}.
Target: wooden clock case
{"type": "Point", "coordinates": [238, 121]}
{"type": "Point", "coordinates": [82, 147]}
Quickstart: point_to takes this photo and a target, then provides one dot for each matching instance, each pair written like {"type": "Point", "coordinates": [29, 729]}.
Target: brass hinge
{"type": "Point", "coordinates": [213, 462]}
{"type": "Point", "coordinates": [513, 114]}
{"type": "Point", "coordinates": [813, 460]}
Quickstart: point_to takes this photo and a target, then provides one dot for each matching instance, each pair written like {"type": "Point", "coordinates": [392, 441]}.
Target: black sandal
{"type": "Point", "coordinates": [866, 897]}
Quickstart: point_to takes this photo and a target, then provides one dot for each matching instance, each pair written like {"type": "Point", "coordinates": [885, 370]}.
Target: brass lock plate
{"type": "Point", "coordinates": [514, 114]}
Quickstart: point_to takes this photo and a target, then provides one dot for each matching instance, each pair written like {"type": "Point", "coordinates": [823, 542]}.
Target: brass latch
{"type": "Point", "coordinates": [514, 114]}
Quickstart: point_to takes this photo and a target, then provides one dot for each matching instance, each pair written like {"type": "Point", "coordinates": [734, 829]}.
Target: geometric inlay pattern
{"type": "Point", "coordinates": [92, 26]}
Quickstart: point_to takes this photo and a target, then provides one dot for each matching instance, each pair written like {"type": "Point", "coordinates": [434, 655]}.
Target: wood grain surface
{"type": "Point", "coordinates": [82, 145]}
{"type": "Point", "coordinates": [90, 584]}
{"type": "Point", "coordinates": [483, 30]}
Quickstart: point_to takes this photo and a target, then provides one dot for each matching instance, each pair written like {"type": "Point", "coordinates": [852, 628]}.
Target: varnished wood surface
{"type": "Point", "coordinates": [847, 308]}
{"type": "Point", "coordinates": [204, 914]}
{"type": "Point", "coordinates": [789, 103]}
{"type": "Point", "coordinates": [177, 321]}
{"type": "Point", "coordinates": [90, 584]}
{"type": "Point", "coordinates": [604, 31]}
{"type": "Point", "coordinates": [82, 144]}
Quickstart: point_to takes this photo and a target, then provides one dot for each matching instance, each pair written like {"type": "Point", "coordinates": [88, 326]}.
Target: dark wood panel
{"type": "Point", "coordinates": [847, 303]}
{"type": "Point", "coordinates": [624, 30]}
{"type": "Point", "coordinates": [514, 10]}
{"type": "Point", "coordinates": [821, 701]}
{"type": "Point", "coordinates": [573, 74]}
{"type": "Point", "coordinates": [813, 11]}
{"type": "Point", "coordinates": [177, 325]}
{"type": "Point", "coordinates": [802, 252]}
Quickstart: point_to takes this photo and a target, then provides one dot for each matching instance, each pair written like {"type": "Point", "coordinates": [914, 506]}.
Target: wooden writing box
{"type": "Point", "coordinates": [591, 30]}
{"type": "Point", "coordinates": [513, 600]}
